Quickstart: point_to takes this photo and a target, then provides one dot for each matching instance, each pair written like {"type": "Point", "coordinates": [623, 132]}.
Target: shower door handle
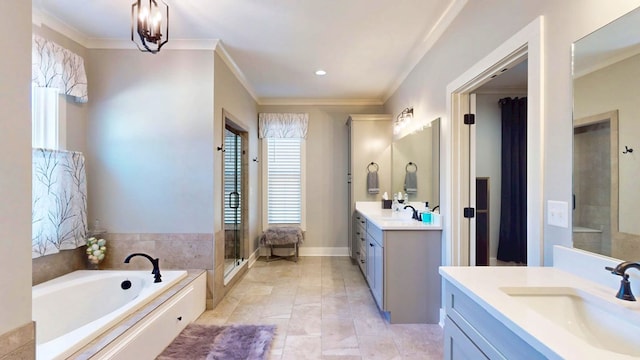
{"type": "Point", "coordinates": [237, 198]}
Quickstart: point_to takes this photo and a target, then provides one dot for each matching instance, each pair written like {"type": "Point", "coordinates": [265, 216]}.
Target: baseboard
{"type": "Point", "coordinates": [324, 251]}
{"type": "Point", "coordinates": [254, 257]}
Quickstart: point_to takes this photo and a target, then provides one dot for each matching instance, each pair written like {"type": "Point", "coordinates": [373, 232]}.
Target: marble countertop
{"type": "Point", "coordinates": [387, 219]}
{"type": "Point", "coordinates": [485, 286]}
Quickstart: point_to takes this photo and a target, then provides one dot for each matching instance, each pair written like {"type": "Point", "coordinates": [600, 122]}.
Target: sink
{"type": "Point", "coordinates": [600, 323]}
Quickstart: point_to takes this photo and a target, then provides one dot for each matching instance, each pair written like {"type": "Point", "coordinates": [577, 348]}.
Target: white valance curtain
{"type": "Point", "coordinates": [56, 67]}
{"type": "Point", "coordinates": [59, 198]}
{"type": "Point", "coordinates": [283, 125]}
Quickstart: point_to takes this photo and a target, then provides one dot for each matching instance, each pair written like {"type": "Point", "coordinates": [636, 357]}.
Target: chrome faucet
{"type": "Point", "coordinates": [625, 286]}
{"type": "Point", "coordinates": [415, 215]}
{"type": "Point", "coordinates": [155, 262]}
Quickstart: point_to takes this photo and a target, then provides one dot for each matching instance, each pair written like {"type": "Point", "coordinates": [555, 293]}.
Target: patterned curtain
{"type": "Point", "coordinates": [56, 67]}
{"type": "Point", "coordinates": [283, 125]}
{"type": "Point", "coordinates": [59, 197]}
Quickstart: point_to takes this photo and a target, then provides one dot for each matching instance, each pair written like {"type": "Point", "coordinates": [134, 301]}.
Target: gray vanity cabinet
{"type": "Point", "coordinates": [401, 268]}
{"type": "Point", "coordinates": [470, 332]}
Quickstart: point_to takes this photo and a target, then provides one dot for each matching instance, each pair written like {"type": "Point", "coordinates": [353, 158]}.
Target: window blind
{"type": "Point", "coordinates": [284, 177]}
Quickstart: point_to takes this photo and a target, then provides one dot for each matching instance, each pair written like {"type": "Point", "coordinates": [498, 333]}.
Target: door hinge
{"type": "Point", "coordinates": [469, 212]}
{"type": "Point", "coordinates": [469, 119]}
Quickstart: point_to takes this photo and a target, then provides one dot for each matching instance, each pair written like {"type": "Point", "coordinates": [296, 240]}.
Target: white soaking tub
{"type": "Point", "coordinates": [73, 309]}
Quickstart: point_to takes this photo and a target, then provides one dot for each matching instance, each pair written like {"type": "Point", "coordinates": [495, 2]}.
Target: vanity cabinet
{"type": "Point", "coordinates": [370, 137]}
{"type": "Point", "coordinates": [401, 268]}
{"type": "Point", "coordinates": [359, 240]}
{"type": "Point", "coordinates": [470, 332]}
{"type": "Point", "coordinates": [375, 263]}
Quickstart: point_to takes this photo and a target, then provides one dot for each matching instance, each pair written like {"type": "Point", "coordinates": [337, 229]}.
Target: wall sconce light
{"type": "Point", "coordinates": [147, 19]}
{"type": "Point", "coordinates": [402, 120]}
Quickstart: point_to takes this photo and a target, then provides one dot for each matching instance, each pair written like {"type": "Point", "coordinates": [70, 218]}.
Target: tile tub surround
{"type": "Point", "coordinates": [323, 308]}
{"type": "Point", "coordinates": [19, 343]}
{"type": "Point", "coordinates": [51, 266]}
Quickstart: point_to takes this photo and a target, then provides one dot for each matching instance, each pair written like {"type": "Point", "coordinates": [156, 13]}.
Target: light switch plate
{"type": "Point", "coordinates": [558, 213]}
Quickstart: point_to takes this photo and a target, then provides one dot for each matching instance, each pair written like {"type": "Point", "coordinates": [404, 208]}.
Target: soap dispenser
{"type": "Point", "coordinates": [426, 215]}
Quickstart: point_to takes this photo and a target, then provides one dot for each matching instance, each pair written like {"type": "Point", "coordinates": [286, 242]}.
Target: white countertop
{"type": "Point", "coordinates": [483, 285]}
{"type": "Point", "coordinates": [387, 219]}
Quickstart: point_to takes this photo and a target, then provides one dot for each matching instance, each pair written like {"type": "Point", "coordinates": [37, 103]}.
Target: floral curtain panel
{"type": "Point", "coordinates": [59, 196]}
{"type": "Point", "coordinates": [283, 125]}
{"type": "Point", "coordinates": [56, 67]}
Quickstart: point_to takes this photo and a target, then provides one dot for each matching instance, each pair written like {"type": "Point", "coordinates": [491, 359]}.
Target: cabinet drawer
{"type": "Point", "coordinates": [457, 346]}
{"type": "Point", "coordinates": [489, 334]}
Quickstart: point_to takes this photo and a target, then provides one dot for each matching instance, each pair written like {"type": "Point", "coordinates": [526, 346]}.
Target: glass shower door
{"type": "Point", "coordinates": [233, 226]}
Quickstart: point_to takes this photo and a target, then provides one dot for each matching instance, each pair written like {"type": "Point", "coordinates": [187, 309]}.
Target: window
{"type": "Point", "coordinates": [284, 180]}
{"type": "Point", "coordinates": [283, 167]}
{"type": "Point", "coordinates": [48, 118]}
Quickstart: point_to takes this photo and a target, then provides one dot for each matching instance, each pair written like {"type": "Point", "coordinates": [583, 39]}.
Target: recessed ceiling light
{"type": "Point", "coordinates": [321, 72]}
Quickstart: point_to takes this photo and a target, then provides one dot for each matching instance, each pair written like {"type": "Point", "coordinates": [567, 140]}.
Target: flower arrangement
{"type": "Point", "coordinates": [96, 248]}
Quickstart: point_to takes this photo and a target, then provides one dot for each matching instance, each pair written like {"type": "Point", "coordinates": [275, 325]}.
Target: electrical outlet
{"type": "Point", "coordinates": [558, 213]}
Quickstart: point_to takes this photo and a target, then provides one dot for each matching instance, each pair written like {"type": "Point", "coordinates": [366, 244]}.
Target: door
{"type": "Point", "coordinates": [233, 221]}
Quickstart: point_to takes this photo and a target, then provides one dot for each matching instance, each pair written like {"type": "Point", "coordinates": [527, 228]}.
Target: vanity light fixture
{"type": "Point", "coordinates": [147, 20]}
{"type": "Point", "coordinates": [402, 120]}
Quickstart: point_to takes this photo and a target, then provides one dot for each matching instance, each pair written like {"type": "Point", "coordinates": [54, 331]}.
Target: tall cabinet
{"type": "Point", "coordinates": [370, 138]}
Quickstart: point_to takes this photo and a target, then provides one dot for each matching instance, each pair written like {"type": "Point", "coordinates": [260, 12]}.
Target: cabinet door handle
{"type": "Point", "coordinates": [362, 261]}
{"type": "Point", "coordinates": [179, 318]}
{"type": "Point", "coordinates": [371, 245]}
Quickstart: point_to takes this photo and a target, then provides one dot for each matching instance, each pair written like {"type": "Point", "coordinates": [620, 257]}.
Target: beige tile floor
{"type": "Point", "coordinates": [323, 310]}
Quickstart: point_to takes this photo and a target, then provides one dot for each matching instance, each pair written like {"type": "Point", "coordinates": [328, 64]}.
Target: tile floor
{"type": "Point", "coordinates": [324, 310]}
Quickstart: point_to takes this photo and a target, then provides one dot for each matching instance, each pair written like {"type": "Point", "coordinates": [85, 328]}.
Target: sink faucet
{"type": "Point", "coordinates": [155, 262]}
{"type": "Point", "coordinates": [415, 215]}
{"type": "Point", "coordinates": [625, 286]}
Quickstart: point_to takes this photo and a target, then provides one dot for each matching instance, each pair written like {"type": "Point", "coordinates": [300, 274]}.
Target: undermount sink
{"type": "Point", "coordinates": [600, 323]}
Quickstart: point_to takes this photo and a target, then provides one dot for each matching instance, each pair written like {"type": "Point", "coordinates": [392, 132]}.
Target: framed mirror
{"type": "Point", "coordinates": [416, 164]}
{"type": "Point", "coordinates": [606, 142]}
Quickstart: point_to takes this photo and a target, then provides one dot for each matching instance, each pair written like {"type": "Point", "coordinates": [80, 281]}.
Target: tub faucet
{"type": "Point", "coordinates": [415, 215]}
{"type": "Point", "coordinates": [155, 262]}
{"type": "Point", "coordinates": [625, 286]}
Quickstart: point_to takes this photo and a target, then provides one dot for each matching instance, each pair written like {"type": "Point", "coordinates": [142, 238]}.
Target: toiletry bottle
{"type": "Point", "coordinates": [426, 214]}
{"type": "Point", "coordinates": [395, 205]}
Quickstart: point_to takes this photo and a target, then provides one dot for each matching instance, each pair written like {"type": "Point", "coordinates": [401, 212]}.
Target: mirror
{"type": "Point", "coordinates": [416, 161]}
{"type": "Point", "coordinates": [606, 146]}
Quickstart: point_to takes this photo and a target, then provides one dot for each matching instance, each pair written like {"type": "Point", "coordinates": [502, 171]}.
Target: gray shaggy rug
{"type": "Point", "coordinates": [210, 342]}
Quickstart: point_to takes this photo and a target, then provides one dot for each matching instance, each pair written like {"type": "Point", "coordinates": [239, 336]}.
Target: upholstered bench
{"type": "Point", "coordinates": [282, 236]}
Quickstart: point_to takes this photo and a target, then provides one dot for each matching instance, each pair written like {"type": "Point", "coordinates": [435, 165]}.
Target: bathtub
{"type": "Point", "coordinates": [71, 310]}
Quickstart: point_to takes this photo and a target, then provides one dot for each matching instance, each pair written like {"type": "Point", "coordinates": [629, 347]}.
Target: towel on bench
{"type": "Point", "coordinates": [282, 235]}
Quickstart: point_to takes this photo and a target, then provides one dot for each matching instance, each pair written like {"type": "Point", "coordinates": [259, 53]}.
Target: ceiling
{"type": "Point", "coordinates": [367, 47]}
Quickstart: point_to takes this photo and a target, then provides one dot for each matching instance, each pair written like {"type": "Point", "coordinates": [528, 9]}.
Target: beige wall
{"type": "Point", "coordinates": [15, 166]}
{"type": "Point", "coordinates": [326, 194]}
{"type": "Point", "coordinates": [479, 29]}
{"type": "Point", "coordinates": [150, 141]}
{"type": "Point", "coordinates": [231, 96]}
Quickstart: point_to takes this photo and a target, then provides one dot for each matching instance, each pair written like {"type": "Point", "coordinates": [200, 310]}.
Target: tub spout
{"type": "Point", "coordinates": [155, 262]}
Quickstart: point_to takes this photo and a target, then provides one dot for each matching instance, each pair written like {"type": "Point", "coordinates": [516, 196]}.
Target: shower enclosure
{"type": "Point", "coordinates": [234, 196]}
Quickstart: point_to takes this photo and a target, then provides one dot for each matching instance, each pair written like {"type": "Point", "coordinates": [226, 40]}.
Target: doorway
{"type": "Point", "coordinates": [235, 203]}
{"type": "Point", "coordinates": [524, 45]}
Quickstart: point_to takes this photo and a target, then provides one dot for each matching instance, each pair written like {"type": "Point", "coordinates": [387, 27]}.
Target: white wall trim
{"type": "Point", "coordinates": [254, 257]}
{"type": "Point", "coordinates": [324, 251]}
{"type": "Point", "coordinates": [529, 42]}
{"type": "Point", "coordinates": [39, 18]}
{"type": "Point", "coordinates": [235, 69]}
{"type": "Point", "coordinates": [427, 43]}
{"type": "Point", "coordinates": [319, 101]}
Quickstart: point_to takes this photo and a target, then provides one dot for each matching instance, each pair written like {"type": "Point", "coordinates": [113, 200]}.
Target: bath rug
{"type": "Point", "coordinates": [211, 342]}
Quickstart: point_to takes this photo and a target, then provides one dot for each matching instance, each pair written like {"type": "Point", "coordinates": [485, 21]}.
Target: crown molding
{"type": "Point", "coordinates": [173, 44]}
{"type": "Point", "coordinates": [427, 43]}
{"type": "Point", "coordinates": [319, 101]}
{"type": "Point", "coordinates": [235, 69]}
{"type": "Point", "coordinates": [39, 18]}
{"type": "Point", "coordinates": [623, 55]}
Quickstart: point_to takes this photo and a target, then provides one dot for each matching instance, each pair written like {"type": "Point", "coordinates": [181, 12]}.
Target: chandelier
{"type": "Point", "coordinates": [147, 21]}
